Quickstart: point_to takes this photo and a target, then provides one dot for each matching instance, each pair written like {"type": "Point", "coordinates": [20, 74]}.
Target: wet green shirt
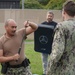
{"type": "Point", "coordinates": [62, 58]}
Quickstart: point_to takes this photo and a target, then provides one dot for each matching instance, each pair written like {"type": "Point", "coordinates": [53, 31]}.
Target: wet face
{"type": "Point", "coordinates": [50, 17]}
{"type": "Point", "coordinates": [11, 28]}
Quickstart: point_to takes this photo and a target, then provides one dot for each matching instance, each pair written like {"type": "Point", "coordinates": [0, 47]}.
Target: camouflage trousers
{"type": "Point", "coordinates": [18, 71]}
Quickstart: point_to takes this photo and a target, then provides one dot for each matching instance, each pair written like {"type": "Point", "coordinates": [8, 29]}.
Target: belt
{"type": "Point", "coordinates": [15, 66]}
{"type": "Point", "coordinates": [25, 63]}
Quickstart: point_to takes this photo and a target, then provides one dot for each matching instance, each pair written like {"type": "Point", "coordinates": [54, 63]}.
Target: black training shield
{"type": "Point", "coordinates": [43, 38]}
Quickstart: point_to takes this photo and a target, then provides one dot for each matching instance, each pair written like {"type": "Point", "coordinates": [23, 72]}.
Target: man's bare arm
{"type": "Point", "coordinates": [30, 27]}
{"type": "Point", "coordinates": [7, 59]}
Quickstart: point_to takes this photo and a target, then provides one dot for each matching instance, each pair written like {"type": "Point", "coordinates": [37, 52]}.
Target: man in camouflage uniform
{"type": "Point", "coordinates": [12, 62]}
{"type": "Point", "coordinates": [62, 58]}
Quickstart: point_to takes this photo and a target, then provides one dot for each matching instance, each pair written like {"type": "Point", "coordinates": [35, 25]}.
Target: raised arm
{"type": "Point", "coordinates": [30, 27]}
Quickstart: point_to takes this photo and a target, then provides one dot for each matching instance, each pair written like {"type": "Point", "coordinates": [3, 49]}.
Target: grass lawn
{"type": "Point", "coordinates": [35, 59]}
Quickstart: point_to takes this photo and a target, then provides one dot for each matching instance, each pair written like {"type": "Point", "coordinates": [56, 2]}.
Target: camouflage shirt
{"type": "Point", "coordinates": [62, 58]}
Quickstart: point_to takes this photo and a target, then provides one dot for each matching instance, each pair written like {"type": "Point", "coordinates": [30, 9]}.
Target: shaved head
{"type": "Point", "coordinates": [9, 21]}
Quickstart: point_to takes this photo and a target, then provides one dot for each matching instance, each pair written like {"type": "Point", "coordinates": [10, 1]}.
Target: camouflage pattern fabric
{"type": "Point", "coordinates": [62, 58]}
{"type": "Point", "coordinates": [18, 71]}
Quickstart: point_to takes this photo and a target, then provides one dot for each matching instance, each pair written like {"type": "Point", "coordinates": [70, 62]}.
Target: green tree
{"type": "Point", "coordinates": [55, 4]}
{"type": "Point", "coordinates": [43, 2]}
{"type": "Point", "coordinates": [32, 4]}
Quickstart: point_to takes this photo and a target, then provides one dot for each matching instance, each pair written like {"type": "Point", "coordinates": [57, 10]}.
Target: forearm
{"type": "Point", "coordinates": [6, 59]}
{"type": "Point", "coordinates": [30, 27]}
{"type": "Point", "coordinates": [33, 25]}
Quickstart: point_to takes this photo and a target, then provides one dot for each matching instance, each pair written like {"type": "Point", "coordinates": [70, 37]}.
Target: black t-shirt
{"type": "Point", "coordinates": [50, 23]}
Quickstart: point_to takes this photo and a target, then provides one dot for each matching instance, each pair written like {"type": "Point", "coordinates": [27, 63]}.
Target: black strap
{"type": "Point", "coordinates": [22, 42]}
{"type": "Point", "coordinates": [21, 45]}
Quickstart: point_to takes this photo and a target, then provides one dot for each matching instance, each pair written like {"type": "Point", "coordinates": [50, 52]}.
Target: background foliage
{"type": "Point", "coordinates": [43, 4]}
{"type": "Point", "coordinates": [55, 4]}
{"type": "Point", "coordinates": [32, 4]}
